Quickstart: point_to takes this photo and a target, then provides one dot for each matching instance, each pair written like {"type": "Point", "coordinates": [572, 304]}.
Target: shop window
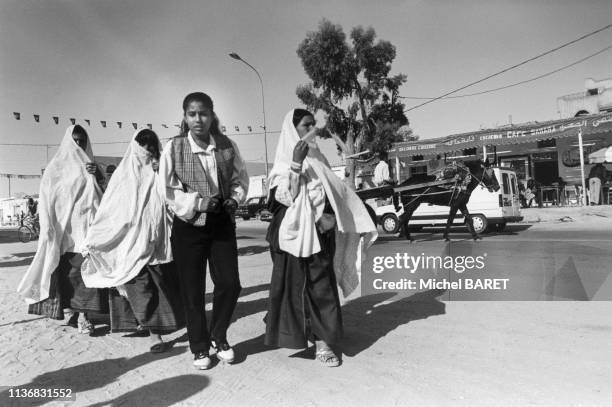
{"type": "Point", "coordinates": [547, 143]}
{"type": "Point", "coordinates": [417, 158]}
{"type": "Point", "coordinates": [469, 151]}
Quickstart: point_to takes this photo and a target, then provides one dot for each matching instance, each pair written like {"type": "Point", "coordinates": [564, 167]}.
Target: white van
{"type": "Point", "coordinates": [488, 209]}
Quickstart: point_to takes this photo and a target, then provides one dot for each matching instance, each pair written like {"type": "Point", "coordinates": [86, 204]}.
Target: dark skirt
{"type": "Point", "coordinates": [153, 302]}
{"type": "Point", "coordinates": [304, 304]}
{"type": "Point", "coordinates": [67, 290]}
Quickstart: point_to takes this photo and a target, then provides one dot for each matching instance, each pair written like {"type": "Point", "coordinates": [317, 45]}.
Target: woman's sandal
{"type": "Point", "coordinates": [158, 347]}
{"type": "Point", "coordinates": [327, 357]}
{"type": "Point", "coordinates": [86, 327]}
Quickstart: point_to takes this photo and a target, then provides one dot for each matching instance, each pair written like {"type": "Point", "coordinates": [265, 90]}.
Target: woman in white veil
{"type": "Point", "coordinates": [69, 197]}
{"type": "Point", "coordinates": [318, 232]}
{"type": "Point", "coordinates": [128, 246]}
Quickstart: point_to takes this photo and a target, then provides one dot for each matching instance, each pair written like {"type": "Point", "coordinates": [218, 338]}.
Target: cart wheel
{"type": "Point", "coordinates": [480, 223]}
{"type": "Point", "coordinates": [25, 234]}
{"type": "Point", "coordinates": [389, 223]}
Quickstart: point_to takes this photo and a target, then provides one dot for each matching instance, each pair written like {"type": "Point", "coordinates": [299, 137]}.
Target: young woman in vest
{"type": "Point", "coordinates": [204, 179]}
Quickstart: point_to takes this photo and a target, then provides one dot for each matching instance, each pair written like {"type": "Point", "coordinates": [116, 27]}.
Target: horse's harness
{"type": "Point", "coordinates": [455, 189]}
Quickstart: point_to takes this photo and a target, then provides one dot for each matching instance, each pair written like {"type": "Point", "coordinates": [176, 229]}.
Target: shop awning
{"type": "Point", "coordinates": [523, 133]}
{"type": "Point", "coordinates": [601, 156]}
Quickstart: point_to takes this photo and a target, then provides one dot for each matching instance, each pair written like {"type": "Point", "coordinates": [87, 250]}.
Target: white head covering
{"type": "Point", "coordinates": [132, 226]}
{"type": "Point", "coordinates": [297, 235]}
{"type": "Point", "coordinates": [69, 197]}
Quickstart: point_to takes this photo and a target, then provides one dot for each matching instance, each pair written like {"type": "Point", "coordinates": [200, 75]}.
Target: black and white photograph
{"type": "Point", "coordinates": [305, 203]}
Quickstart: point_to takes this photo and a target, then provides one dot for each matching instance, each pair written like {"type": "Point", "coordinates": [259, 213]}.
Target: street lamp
{"type": "Point", "coordinates": [263, 105]}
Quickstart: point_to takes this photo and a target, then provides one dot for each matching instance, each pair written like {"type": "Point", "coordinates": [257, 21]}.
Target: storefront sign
{"type": "Point", "coordinates": [518, 134]}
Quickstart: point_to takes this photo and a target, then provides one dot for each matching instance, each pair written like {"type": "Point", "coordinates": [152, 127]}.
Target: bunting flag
{"type": "Point", "coordinates": [103, 123]}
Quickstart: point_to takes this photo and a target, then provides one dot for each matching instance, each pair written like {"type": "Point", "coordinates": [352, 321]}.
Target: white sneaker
{"type": "Point", "coordinates": [224, 351]}
{"type": "Point", "coordinates": [202, 361]}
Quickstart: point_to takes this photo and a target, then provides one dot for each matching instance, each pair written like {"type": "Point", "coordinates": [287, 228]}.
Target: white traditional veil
{"type": "Point", "coordinates": [297, 235]}
{"type": "Point", "coordinates": [69, 197]}
{"type": "Point", "coordinates": [132, 226]}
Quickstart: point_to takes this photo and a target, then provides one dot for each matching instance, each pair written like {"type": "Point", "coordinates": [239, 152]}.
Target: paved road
{"type": "Point", "coordinates": [414, 350]}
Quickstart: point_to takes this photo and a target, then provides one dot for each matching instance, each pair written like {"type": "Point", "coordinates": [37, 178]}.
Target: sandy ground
{"type": "Point", "coordinates": [416, 351]}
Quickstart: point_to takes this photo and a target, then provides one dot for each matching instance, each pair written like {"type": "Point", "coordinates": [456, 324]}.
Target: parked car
{"type": "Point", "coordinates": [488, 209]}
{"type": "Point", "coordinates": [265, 215]}
{"type": "Point", "coordinates": [251, 208]}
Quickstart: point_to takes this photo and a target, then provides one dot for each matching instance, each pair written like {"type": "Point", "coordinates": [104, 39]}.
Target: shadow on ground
{"type": "Point", "coordinates": [369, 318]}
{"type": "Point", "coordinates": [90, 376]}
{"type": "Point", "coordinates": [162, 393]}
{"type": "Point", "coordinates": [251, 250]}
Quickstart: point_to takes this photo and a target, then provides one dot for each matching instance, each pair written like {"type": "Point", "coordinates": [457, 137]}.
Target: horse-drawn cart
{"type": "Point", "coordinates": [388, 191]}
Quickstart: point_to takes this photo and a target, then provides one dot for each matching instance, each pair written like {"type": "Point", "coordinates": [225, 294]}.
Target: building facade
{"type": "Point", "coordinates": [544, 151]}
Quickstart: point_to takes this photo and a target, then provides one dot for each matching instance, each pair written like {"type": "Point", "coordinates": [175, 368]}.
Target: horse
{"type": "Point", "coordinates": [467, 176]}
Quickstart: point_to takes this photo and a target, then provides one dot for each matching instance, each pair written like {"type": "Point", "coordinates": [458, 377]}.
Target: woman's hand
{"type": "Point", "coordinates": [91, 168]}
{"type": "Point", "coordinates": [300, 152]}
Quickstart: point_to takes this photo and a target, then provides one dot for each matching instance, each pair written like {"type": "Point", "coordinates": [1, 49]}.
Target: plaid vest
{"type": "Point", "coordinates": [189, 170]}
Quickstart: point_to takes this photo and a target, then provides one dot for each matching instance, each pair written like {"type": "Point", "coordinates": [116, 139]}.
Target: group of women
{"type": "Point", "coordinates": [139, 250]}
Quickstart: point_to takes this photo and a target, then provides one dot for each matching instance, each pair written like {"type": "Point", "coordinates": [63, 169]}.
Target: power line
{"type": "Point", "coordinates": [517, 83]}
{"type": "Point", "coordinates": [511, 67]}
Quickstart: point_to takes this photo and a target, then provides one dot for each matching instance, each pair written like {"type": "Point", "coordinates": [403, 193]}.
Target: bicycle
{"type": "Point", "coordinates": [28, 230]}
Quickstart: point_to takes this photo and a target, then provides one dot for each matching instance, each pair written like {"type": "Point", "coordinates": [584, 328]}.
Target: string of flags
{"type": "Point", "coordinates": [104, 123]}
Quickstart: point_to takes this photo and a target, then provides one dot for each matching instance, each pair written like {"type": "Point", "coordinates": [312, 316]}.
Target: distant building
{"type": "Point", "coordinates": [11, 210]}
{"type": "Point", "coordinates": [596, 98]}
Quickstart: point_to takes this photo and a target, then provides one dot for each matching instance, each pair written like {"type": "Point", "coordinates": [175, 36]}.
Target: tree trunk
{"type": "Point", "coordinates": [350, 162]}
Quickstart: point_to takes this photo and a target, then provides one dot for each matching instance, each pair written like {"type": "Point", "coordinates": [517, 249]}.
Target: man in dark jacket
{"type": "Point", "coordinates": [597, 176]}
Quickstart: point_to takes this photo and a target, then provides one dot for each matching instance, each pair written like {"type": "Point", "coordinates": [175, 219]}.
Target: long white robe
{"type": "Point", "coordinates": [132, 226]}
{"type": "Point", "coordinates": [68, 200]}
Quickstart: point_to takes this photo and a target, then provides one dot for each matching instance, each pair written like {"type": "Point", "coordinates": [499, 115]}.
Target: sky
{"type": "Point", "coordinates": [135, 60]}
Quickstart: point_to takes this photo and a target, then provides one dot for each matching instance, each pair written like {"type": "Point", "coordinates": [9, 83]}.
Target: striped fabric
{"type": "Point", "coordinates": [190, 171]}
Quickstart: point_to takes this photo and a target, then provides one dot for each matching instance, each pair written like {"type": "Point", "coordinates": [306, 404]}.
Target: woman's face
{"type": "Point", "coordinates": [198, 118]}
{"type": "Point", "coordinates": [153, 149]}
{"type": "Point", "coordinates": [305, 125]}
{"type": "Point", "coordinates": [80, 139]}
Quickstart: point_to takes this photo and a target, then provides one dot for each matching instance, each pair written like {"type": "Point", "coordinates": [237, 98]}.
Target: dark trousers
{"type": "Point", "coordinates": [192, 247]}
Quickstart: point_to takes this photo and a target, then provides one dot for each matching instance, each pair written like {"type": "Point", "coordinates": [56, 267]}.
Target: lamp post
{"type": "Point", "coordinates": [263, 105]}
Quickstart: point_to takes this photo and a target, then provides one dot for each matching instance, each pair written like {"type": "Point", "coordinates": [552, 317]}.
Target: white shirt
{"type": "Point", "coordinates": [186, 204]}
{"type": "Point", "coordinates": [381, 173]}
